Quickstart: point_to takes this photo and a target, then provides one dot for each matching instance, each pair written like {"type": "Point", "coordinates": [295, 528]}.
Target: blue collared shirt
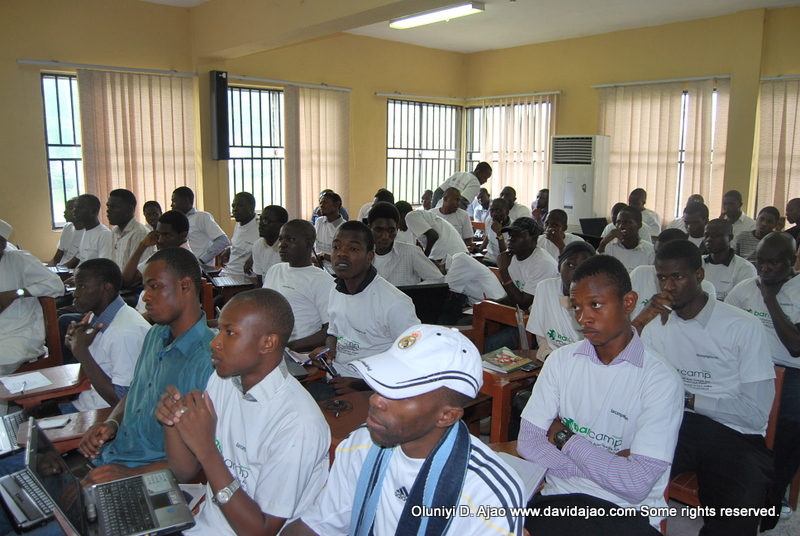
{"type": "Point", "coordinates": [184, 363]}
{"type": "Point", "coordinates": [107, 316]}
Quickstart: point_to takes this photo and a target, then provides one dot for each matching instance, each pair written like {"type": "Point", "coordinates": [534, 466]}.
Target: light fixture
{"type": "Point", "coordinates": [439, 15]}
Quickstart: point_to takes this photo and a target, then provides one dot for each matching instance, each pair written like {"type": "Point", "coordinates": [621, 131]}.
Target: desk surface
{"type": "Point", "coordinates": [64, 437]}
{"type": "Point", "coordinates": [347, 419]}
{"type": "Point", "coordinates": [62, 378]}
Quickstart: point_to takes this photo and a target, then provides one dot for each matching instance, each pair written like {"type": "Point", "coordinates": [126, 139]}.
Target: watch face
{"type": "Point", "coordinates": [223, 496]}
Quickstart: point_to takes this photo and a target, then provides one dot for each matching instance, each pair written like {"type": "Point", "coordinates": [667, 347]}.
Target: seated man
{"type": "Point", "coordinates": [723, 358]}
{"type": "Point", "coordinates": [723, 267]}
{"type": "Point", "coordinates": [746, 242]}
{"type": "Point", "coordinates": [539, 207]}
{"type": "Point", "coordinates": [523, 264]}
{"type": "Point", "coordinates": [650, 219]}
{"type": "Point", "coordinates": [366, 312]}
{"type": "Point", "coordinates": [478, 210]}
{"type": "Point", "coordinates": [206, 237]}
{"type": "Point", "coordinates": [151, 210]}
{"type": "Point", "coordinates": [515, 210]}
{"type": "Point", "coordinates": [552, 320]}
{"type": "Point", "coordinates": [265, 250]}
{"type": "Point", "coordinates": [397, 262]}
{"type": "Point", "coordinates": [126, 232]}
{"type": "Point", "coordinates": [555, 236]}
{"type": "Point", "coordinates": [257, 435]}
{"type": "Point", "coordinates": [450, 212]}
{"type": "Point", "coordinates": [70, 239]}
{"type": "Point", "coordinates": [732, 211]}
{"type": "Point", "coordinates": [172, 230]}
{"type": "Point", "coordinates": [108, 341]}
{"type": "Point", "coordinates": [381, 196]}
{"type": "Point", "coordinates": [644, 232]}
{"type": "Point", "coordinates": [678, 223]}
{"type": "Point", "coordinates": [96, 240]}
{"type": "Point", "coordinates": [792, 216]}
{"type": "Point", "coordinates": [774, 298]}
{"type": "Point", "coordinates": [604, 414]}
{"type": "Point", "coordinates": [415, 454]}
{"type": "Point", "coordinates": [437, 237]}
{"type": "Point", "coordinates": [425, 200]}
{"type": "Point", "coordinates": [494, 242]}
{"type": "Point", "coordinates": [306, 287]}
{"type": "Point", "coordinates": [695, 218]}
{"type": "Point", "coordinates": [624, 242]}
{"type": "Point", "coordinates": [245, 234]}
{"type": "Point", "coordinates": [23, 278]}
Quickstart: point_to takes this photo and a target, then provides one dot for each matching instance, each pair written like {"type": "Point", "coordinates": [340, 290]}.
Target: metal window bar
{"type": "Point", "coordinates": [256, 142]}
{"type": "Point", "coordinates": [62, 142]}
{"type": "Point", "coordinates": [422, 147]}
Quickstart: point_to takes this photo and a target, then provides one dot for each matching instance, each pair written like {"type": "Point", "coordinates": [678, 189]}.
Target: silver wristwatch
{"type": "Point", "coordinates": [20, 292]}
{"type": "Point", "coordinates": [224, 495]}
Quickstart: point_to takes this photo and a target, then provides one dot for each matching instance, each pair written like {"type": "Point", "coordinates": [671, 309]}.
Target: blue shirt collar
{"type": "Point", "coordinates": [186, 339]}
{"type": "Point", "coordinates": [107, 316]}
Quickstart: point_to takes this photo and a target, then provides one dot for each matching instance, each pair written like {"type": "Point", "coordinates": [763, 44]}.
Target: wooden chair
{"type": "Point", "coordinates": [53, 357]}
{"type": "Point", "coordinates": [496, 271]}
{"type": "Point", "coordinates": [478, 225]}
{"type": "Point", "coordinates": [207, 300]}
{"type": "Point", "coordinates": [684, 487]}
{"type": "Point", "coordinates": [488, 317]}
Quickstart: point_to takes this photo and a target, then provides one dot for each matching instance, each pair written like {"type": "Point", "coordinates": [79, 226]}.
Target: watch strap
{"type": "Point", "coordinates": [228, 490]}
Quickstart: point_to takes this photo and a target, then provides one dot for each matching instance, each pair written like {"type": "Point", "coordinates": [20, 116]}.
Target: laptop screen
{"type": "Point", "coordinates": [52, 472]}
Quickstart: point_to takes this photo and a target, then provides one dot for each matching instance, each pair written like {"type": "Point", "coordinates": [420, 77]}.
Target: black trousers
{"type": "Point", "coordinates": [734, 470]}
{"type": "Point", "coordinates": [634, 525]}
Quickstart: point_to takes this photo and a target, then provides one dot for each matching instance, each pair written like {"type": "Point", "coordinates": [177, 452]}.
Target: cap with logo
{"type": "Point", "coordinates": [424, 358]}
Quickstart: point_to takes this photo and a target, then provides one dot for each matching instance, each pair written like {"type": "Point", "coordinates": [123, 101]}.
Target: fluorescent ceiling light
{"type": "Point", "coordinates": [438, 15]}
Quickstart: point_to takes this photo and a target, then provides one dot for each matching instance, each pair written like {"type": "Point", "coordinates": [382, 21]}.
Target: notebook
{"type": "Point", "coordinates": [151, 503]}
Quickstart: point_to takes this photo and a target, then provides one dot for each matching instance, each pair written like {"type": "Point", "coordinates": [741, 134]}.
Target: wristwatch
{"type": "Point", "coordinates": [224, 495]}
{"type": "Point", "coordinates": [20, 292]}
{"type": "Point", "coordinates": [561, 437]}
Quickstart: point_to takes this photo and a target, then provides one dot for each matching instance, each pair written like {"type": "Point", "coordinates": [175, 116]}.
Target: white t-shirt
{"type": "Point", "coordinates": [615, 407]}
{"type": "Point", "coordinates": [551, 317]}
{"type": "Point", "coordinates": [743, 224]}
{"type": "Point", "coordinates": [96, 243]}
{"type": "Point", "coordinates": [519, 211]}
{"type": "Point", "coordinates": [642, 254]}
{"type": "Point", "coordinates": [449, 242]}
{"type": "Point", "coordinates": [458, 219]}
{"type": "Point", "coordinates": [363, 212]}
{"type": "Point", "coordinates": [725, 278]}
{"type": "Point", "coordinates": [276, 444]}
{"type": "Point", "coordinates": [465, 275]}
{"type": "Point", "coordinates": [406, 237]}
{"type": "Point", "coordinates": [265, 256]}
{"type": "Point", "coordinates": [527, 274]}
{"type": "Point", "coordinates": [747, 296]}
{"type": "Point", "coordinates": [489, 482]}
{"type": "Point", "coordinates": [202, 232]}
{"type": "Point", "coordinates": [645, 283]}
{"type": "Point", "coordinates": [244, 236]}
{"type": "Point", "coordinates": [406, 265]}
{"type": "Point", "coordinates": [70, 242]}
{"type": "Point", "coordinates": [551, 248]}
{"type": "Point", "coordinates": [677, 223]}
{"type": "Point", "coordinates": [326, 231]}
{"type": "Point", "coordinates": [367, 323]}
{"type": "Point", "coordinates": [116, 350]}
{"type": "Point", "coordinates": [644, 232]}
{"type": "Point", "coordinates": [466, 182]}
{"type": "Point", "coordinates": [476, 211]}
{"type": "Point", "coordinates": [651, 220]}
{"type": "Point", "coordinates": [307, 289]}
{"type": "Point", "coordinates": [714, 353]}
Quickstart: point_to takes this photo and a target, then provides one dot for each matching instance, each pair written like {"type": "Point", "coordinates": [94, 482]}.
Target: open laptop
{"type": "Point", "coordinates": [428, 300]}
{"type": "Point", "coordinates": [151, 503]}
{"type": "Point", "coordinates": [593, 226]}
{"type": "Point", "coordinates": [9, 426]}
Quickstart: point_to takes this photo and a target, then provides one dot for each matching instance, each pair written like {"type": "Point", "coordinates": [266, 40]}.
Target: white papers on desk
{"type": "Point", "coordinates": [195, 492]}
{"type": "Point", "coordinates": [300, 358]}
{"type": "Point", "coordinates": [27, 382]}
{"type": "Point", "coordinates": [531, 473]}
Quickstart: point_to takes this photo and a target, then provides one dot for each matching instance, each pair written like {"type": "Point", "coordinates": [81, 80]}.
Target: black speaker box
{"type": "Point", "coordinates": [220, 146]}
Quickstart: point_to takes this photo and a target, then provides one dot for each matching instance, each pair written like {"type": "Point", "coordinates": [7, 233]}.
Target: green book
{"type": "Point", "coordinates": [504, 360]}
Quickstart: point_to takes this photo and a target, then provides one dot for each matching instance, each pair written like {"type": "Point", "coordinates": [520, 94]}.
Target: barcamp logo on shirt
{"type": "Point", "coordinates": [553, 335]}
{"type": "Point", "coordinates": [608, 442]}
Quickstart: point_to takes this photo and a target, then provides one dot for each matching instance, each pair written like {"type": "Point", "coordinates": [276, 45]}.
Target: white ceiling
{"type": "Point", "coordinates": [513, 23]}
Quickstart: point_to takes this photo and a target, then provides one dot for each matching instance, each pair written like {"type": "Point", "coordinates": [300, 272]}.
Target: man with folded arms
{"type": "Point", "coordinates": [415, 455]}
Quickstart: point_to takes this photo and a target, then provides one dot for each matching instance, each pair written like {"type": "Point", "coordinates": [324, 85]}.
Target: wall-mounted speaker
{"type": "Point", "coordinates": [220, 146]}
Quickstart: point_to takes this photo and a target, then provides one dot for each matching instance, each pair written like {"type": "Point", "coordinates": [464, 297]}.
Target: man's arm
{"type": "Point", "coordinates": [788, 333]}
{"type": "Point", "coordinates": [514, 296]}
{"type": "Point", "coordinates": [130, 274]}
{"type": "Point", "coordinates": [79, 338]}
{"type": "Point", "coordinates": [100, 433]}
{"type": "Point", "coordinates": [749, 409]}
{"type": "Point", "coordinates": [310, 342]}
{"type": "Point", "coordinates": [424, 267]}
{"type": "Point", "coordinates": [217, 246]}
{"type": "Point", "coordinates": [432, 236]}
{"type": "Point", "coordinates": [298, 528]}
{"type": "Point", "coordinates": [59, 254]}
{"type": "Point", "coordinates": [181, 459]}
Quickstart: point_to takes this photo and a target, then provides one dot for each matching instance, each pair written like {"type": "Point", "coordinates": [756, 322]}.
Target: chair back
{"type": "Point", "coordinates": [52, 339]}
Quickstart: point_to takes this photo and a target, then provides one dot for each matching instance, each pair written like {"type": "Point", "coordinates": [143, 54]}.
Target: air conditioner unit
{"type": "Point", "coordinates": [579, 176]}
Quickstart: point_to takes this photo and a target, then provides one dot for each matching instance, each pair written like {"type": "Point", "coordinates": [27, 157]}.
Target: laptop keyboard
{"type": "Point", "coordinates": [26, 482]}
{"type": "Point", "coordinates": [13, 421]}
{"type": "Point", "coordinates": [123, 507]}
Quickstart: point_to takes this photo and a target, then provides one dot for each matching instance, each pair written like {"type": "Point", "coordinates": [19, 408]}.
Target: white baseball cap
{"type": "Point", "coordinates": [5, 229]}
{"type": "Point", "coordinates": [422, 359]}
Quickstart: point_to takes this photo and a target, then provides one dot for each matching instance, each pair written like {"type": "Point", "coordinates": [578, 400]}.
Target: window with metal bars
{"type": "Point", "coordinates": [62, 127]}
{"type": "Point", "coordinates": [256, 164]}
{"type": "Point", "coordinates": [423, 146]}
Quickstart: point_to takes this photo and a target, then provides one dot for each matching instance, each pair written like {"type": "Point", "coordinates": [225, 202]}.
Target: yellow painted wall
{"type": "Point", "coordinates": [107, 32]}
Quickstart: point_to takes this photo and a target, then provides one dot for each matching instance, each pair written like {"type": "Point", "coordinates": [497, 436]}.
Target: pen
{"type": "Point", "coordinates": [22, 391]}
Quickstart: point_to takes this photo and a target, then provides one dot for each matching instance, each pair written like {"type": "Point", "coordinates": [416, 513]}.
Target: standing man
{"type": "Point", "coordinates": [415, 452]}
{"type": "Point", "coordinates": [70, 240]}
{"type": "Point", "coordinates": [774, 298]}
{"type": "Point", "coordinates": [23, 278]}
{"type": "Point", "coordinates": [306, 287]}
{"type": "Point", "coordinates": [515, 209]}
{"type": "Point", "coordinates": [732, 211]}
{"type": "Point", "coordinates": [539, 207]}
{"type": "Point", "coordinates": [256, 434]}
{"type": "Point", "coordinates": [468, 183]}
{"type": "Point", "coordinates": [650, 219]}
{"type": "Point", "coordinates": [327, 224]}
{"type": "Point", "coordinates": [127, 232]}
{"type": "Point", "coordinates": [245, 234]}
{"type": "Point", "coordinates": [96, 242]}
{"type": "Point", "coordinates": [604, 414]}
{"type": "Point", "coordinates": [723, 267]}
{"type": "Point", "coordinates": [108, 341]}
{"type": "Point", "coordinates": [265, 250]}
{"type": "Point", "coordinates": [206, 238]}
{"type": "Point", "coordinates": [624, 243]}
{"type": "Point", "coordinates": [723, 358]}
{"type": "Point", "coordinates": [450, 212]}
{"type": "Point", "coordinates": [366, 312]}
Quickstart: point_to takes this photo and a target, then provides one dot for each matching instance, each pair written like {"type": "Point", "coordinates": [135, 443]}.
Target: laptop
{"type": "Point", "coordinates": [8, 432]}
{"type": "Point", "coordinates": [151, 503]}
{"type": "Point", "coordinates": [428, 300]}
{"type": "Point", "coordinates": [232, 281]}
{"type": "Point", "coordinates": [593, 226]}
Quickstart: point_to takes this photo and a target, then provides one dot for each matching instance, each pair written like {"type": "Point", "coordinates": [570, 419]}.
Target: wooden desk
{"type": "Point", "coordinates": [501, 387]}
{"type": "Point", "coordinates": [314, 374]}
{"type": "Point", "coordinates": [65, 380]}
{"type": "Point", "coordinates": [346, 421]}
{"type": "Point", "coordinates": [68, 437]}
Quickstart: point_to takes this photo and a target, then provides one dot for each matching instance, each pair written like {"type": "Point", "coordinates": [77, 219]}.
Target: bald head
{"type": "Point", "coordinates": [777, 244]}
